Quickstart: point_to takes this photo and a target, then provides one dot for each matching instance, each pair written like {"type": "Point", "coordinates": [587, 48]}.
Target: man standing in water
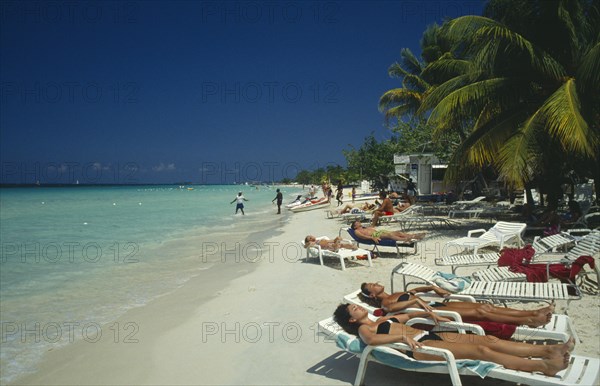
{"type": "Point", "coordinates": [240, 203]}
{"type": "Point", "coordinates": [279, 198]}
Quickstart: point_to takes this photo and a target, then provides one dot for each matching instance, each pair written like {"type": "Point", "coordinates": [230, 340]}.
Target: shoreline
{"type": "Point", "coordinates": [188, 262]}
{"type": "Point", "coordinates": [136, 324]}
{"type": "Point", "coordinates": [257, 328]}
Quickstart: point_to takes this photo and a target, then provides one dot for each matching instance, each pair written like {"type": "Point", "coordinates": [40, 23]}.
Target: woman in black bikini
{"type": "Point", "coordinates": [468, 311]}
{"type": "Point", "coordinates": [512, 355]}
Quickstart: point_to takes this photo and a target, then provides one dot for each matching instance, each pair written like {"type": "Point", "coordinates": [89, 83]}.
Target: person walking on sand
{"type": "Point", "coordinates": [411, 191]}
{"type": "Point", "coordinates": [240, 202]}
{"type": "Point", "coordinates": [279, 198]}
{"type": "Point", "coordinates": [339, 195]}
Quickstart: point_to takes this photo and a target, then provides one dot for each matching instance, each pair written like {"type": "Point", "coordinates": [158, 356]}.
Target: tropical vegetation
{"type": "Point", "coordinates": [515, 91]}
{"type": "Point", "coordinates": [518, 88]}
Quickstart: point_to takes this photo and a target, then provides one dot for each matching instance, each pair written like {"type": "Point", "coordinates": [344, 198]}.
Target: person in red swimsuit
{"type": "Point", "coordinates": [385, 209]}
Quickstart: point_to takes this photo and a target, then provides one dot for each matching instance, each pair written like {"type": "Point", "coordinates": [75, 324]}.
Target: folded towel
{"type": "Point", "coordinates": [450, 282]}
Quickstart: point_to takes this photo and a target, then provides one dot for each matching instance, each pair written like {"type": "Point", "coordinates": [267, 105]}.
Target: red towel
{"type": "Point", "coordinates": [511, 256]}
{"type": "Point", "coordinates": [518, 260]}
{"type": "Point", "coordinates": [500, 330]}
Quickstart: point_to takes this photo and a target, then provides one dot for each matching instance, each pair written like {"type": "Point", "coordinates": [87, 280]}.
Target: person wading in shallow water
{"type": "Point", "coordinates": [240, 203]}
{"type": "Point", "coordinates": [279, 198]}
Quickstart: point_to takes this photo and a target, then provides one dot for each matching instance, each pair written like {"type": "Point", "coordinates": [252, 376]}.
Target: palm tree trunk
{"type": "Point", "coordinates": [529, 195]}
{"type": "Point", "coordinates": [597, 181]}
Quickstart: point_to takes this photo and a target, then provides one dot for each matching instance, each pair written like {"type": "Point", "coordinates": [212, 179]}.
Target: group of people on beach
{"type": "Point", "coordinates": [355, 319]}
{"type": "Point", "coordinates": [392, 328]}
{"type": "Point", "coordinates": [239, 200]}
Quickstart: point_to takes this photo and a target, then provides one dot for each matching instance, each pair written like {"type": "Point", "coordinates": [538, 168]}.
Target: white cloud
{"type": "Point", "coordinates": [163, 168]}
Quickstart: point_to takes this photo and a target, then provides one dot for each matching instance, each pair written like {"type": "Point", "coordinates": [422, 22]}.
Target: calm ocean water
{"type": "Point", "coordinates": [75, 258]}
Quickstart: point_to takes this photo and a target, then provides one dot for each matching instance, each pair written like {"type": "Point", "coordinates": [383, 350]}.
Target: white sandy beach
{"type": "Point", "coordinates": [258, 329]}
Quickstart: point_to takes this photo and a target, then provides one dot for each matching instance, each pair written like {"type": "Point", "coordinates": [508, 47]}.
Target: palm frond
{"type": "Point", "coordinates": [410, 61]}
{"type": "Point", "coordinates": [437, 94]}
{"type": "Point", "coordinates": [482, 145]}
{"type": "Point", "coordinates": [588, 73]}
{"type": "Point", "coordinates": [518, 157]}
{"type": "Point", "coordinates": [414, 82]}
{"type": "Point", "coordinates": [399, 96]}
{"type": "Point", "coordinates": [470, 99]}
{"type": "Point", "coordinates": [445, 68]}
{"type": "Point", "coordinates": [497, 41]}
{"type": "Point", "coordinates": [396, 71]}
{"type": "Point", "coordinates": [514, 160]}
{"type": "Point", "coordinates": [565, 17]}
{"type": "Point", "coordinates": [563, 120]}
{"type": "Point", "coordinates": [464, 28]}
{"type": "Point", "coordinates": [397, 112]}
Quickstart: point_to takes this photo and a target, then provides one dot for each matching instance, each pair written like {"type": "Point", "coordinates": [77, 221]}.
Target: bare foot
{"type": "Point", "coordinates": [549, 309]}
{"type": "Point", "coordinates": [539, 320]}
{"type": "Point", "coordinates": [568, 346]}
{"type": "Point", "coordinates": [555, 365]}
{"type": "Point", "coordinates": [560, 350]}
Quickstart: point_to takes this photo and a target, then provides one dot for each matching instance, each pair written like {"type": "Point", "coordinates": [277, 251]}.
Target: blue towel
{"type": "Point", "coordinates": [450, 282]}
{"type": "Point", "coordinates": [356, 346]}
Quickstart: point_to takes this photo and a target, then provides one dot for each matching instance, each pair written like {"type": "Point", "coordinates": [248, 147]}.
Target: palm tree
{"type": "Point", "coordinates": [406, 100]}
{"type": "Point", "coordinates": [525, 95]}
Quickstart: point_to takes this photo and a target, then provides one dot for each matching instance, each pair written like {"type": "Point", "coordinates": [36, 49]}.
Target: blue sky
{"type": "Point", "coordinates": [208, 92]}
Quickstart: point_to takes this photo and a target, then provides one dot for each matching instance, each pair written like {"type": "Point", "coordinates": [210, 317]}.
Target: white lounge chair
{"type": "Point", "coordinates": [589, 245]}
{"type": "Point", "coordinates": [540, 246]}
{"type": "Point", "coordinates": [492, 291]}
{"type": "Point", "coordinates": [581, 370]}
{"type": "Point", "coordinates": [341, 254]}
{"type": "Point", "coordinates": [498, 235]}
{"type": "Point", "coordinates": [476, 200]}
{"type": "Point", "coordinates": [357, 214]}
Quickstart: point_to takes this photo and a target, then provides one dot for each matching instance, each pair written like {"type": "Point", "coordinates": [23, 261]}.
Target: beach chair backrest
{"type": "Point", "coordinates": [589, 245]}
{"type": "Point", "coordinates": [353, 234]}
{"type": "Point", "coordinates": [502, 228]}
{"type": "Point", "coordinates": [549, 243]}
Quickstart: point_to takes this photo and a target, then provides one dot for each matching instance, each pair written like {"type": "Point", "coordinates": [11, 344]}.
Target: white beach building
{"type": "Point", "coordinates": [426, 171]}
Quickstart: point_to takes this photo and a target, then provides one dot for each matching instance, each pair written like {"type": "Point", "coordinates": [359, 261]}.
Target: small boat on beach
{"type": "Point", "coordinates": [312, 204]}
{"type": "Point", "coordinates": [299, 200]}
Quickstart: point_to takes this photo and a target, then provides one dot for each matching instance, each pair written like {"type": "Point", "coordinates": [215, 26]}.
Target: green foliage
{"type": "Point", "coordinates": [521, 88]}
{"type": "Point", "coordinates": [331, 173]}
{"type": "Point", "coordinates": [373, 160]}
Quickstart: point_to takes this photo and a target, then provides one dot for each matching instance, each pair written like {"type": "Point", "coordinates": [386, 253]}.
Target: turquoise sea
{"type": "Point", "coordinates": [78, 257]}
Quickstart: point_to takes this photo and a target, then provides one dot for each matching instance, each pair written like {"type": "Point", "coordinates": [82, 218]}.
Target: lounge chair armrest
{"type": "Point", "coordinates": [447, 314]}
{"type": "Point", "coordinates": [470, 233]}
{"type": "Point", "coordinates": [462, 298]}
{"type": "Point", "coordinates": [453, 326]}
{"type": "Point", "coordinates": [457, 297]}
{"type": "Point", "coordinates": [319, 249]}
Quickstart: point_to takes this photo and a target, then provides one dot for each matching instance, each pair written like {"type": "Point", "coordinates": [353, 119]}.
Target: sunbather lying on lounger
{"type": "Point", "coordinates": [366, 207]}
{"type": "Point", "coordinates": [401, 207]}
{"type": "Point", "coordinates": [330, 245]}
{"type": "Point", "coordinates": [512, 355]}
{"type": "Point", "coordinates": [375, 293]}
{"type": "Point", "coordinates": [377, 235]}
